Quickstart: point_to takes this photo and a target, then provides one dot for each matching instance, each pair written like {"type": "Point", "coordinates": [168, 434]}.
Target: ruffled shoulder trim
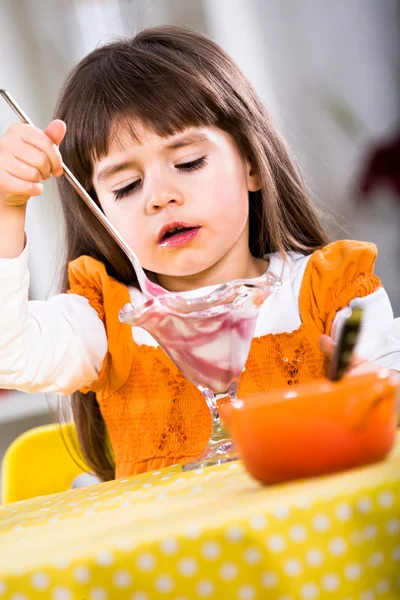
{"type": "Point", "coordinates": [88, 277]}
{"type": "Point", "coordinates": [335, 275]}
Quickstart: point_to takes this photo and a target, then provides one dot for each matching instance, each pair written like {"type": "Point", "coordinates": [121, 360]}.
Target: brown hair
{"type": "Point", "coordinates": [169, 78]}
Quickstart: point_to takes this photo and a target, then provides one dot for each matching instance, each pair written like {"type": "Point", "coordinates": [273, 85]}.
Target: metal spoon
{"type": "Point", "coordinates": [148, 288]}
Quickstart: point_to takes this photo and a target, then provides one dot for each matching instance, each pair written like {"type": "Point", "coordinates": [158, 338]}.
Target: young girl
{"type": "Point", "coordinates": [171, 140]}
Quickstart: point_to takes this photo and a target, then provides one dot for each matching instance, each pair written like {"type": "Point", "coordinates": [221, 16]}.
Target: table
{"type": "Point", "coordinates": [212, 534]}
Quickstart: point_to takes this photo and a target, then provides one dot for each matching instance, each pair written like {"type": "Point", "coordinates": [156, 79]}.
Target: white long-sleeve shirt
{"type": "Point", "coordinates": [59, 345]}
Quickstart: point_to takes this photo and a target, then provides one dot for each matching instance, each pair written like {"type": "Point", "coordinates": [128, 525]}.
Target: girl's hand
{"type": "Point", "coordinates": [28, 155]}
{"type": "Point", "coordinates": [328, 346]}
{"type": "Point", "coordinates": [358, 364]}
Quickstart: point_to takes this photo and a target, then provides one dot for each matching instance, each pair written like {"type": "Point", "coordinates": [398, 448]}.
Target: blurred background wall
{"type": "Point", "coordinates": [329, 72]}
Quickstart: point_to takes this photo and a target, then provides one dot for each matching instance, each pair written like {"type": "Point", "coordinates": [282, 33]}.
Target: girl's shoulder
{"type": "Point", "coordinates": [329, 278]}
{"type": "Point", "coordinates": [335, 275]}
{"type": "Point", "coordinates": [88, 277]}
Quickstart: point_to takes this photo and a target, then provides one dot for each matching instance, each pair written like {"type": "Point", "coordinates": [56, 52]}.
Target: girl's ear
{"type": "Point", "coordinates": [253, 178]}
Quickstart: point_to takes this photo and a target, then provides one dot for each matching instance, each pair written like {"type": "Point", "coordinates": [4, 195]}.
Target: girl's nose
{"type": "Point", "coordinates": [162, 198]}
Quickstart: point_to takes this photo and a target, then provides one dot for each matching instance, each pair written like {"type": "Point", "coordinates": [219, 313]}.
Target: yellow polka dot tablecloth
{"type": "Point", "coordinates": [214, 533]}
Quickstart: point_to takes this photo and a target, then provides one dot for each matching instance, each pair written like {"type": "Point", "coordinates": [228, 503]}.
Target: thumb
{"type": "Point", "coordinates": [56, 131]}
{"type": "Point", "coordinates": [327, 346]}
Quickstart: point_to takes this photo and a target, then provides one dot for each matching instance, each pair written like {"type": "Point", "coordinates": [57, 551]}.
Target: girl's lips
{"type": "Point", "coordinates": [180, 238]}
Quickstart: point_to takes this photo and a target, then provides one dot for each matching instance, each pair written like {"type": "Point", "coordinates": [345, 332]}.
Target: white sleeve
{"type": "Point", "coordinates": [56, 345]}
{"type": "Point", "coordinates": [379, 340]}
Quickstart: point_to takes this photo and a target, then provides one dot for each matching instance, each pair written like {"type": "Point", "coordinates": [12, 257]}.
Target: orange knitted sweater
{"type": "Point", "coordinates": [154, 416]}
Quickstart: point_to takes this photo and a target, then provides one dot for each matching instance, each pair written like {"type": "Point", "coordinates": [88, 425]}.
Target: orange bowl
{"type": "Point", "coordinates": [315, 428]}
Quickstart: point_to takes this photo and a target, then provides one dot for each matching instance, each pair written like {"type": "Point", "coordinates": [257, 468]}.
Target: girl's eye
{"type": "Point", "coordinates": [125, 191]}
{"type": "Point", "coordinates": [189, 166]}
{"type": "Point", "coordinates": [192, 165]}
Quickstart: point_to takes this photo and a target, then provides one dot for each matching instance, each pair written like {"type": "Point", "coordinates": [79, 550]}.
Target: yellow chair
{"type": "Point", "coordinates": [41, 461]}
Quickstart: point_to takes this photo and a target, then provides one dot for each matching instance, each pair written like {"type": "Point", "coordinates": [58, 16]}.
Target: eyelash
{"type": "Point", "coordinates": [186, 167]}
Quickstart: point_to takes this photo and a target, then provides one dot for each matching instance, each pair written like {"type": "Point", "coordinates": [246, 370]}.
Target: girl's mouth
{"type": "Point", "coordinates": [177, 234]}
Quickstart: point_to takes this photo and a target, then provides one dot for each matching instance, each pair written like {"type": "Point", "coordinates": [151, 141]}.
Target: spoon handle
{"type": "Point", "coordinates": [346, 344]}
{"type": "Point", "coordinates": [144, 283]}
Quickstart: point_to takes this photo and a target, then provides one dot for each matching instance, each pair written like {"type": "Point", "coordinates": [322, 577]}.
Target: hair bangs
{"type": "Point", "coordinates": [124, 91]}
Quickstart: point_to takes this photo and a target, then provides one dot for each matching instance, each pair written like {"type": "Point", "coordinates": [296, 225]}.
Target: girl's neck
{"type": "Point", "coordinates": [226, 269]}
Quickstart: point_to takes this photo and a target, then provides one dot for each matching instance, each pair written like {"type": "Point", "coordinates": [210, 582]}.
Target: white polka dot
{"type": "Point", "coordinates": [396, 554]}
{"type": "Point", "coordinates": [122, 578]}
{"type": "Point", "coordinates": [146, 562]}
{"type": "Point", "coordinates": [314, 557]}
{"type": "Point", "coordinates": [343, 512]}
{"type": "Point", "coordinates": [193, 531]}
{"type": "Point", "coordinates": [61, 562]}
{"type": "Point", "coordinates": [154, 473]}
{"type": "Point", "coordinates": [205, 589]}
{"type": "Point", "coordinates": [246, 592]}
{"type": "Point", "coordinates": [386, 499]}
{"type": "Point", "coordinates": [383, 586]}
{"type": "Point", "coordinates": [252, 556]}
{"type": "Point", "coordinates": [297, 533]}
{"type": "Point", "coordinates": [164, 584]}
{"type": "Point", "coordinates": [281, 512]}
{"type": "Point", "coordinates": [376, 559]}
{"type": "Point", "coordinates": [321, 522]}
{"type": "Point", "coordinates": [330, 582]}
{"type": "Point", "coordinates": [211, 550]}
{"type": "Point", "coordinates": [370, 532]}
{"type": "Point", "coordinates": [97, 593]}
{"type": "Point", "coordinates": [364, 505]}
{"type": "Point", "coordinates": [234, 533]}
{"type": "Point", "coordinates": [169, 546]}
{"type": "Point", "coordinates": [165, 478]}
{"type": "Point", "coordinates": [292, 567]}
{"type": "Point", "coordinates": [104, 558]}
{"type": "Point", "coordinates": [3, 587]}
{"type": "Point", "coordinates": [353, 571]}
{"type": "Point", "coordinates": [124, 543]}
{"type": "Point", "coordinates": [309, 591]}
{"type": "Point", "coordinates": [228, 571]}
{"type": "Point", "coordinates": [337, 546]}
{"type": "Point", "coordinates": [304, 502]}
{"type": "Point", "coordinates": [393, 526]}
{"type": "Point", "coordinates": [61, 593]}
{"type": "Point", "coordinates": [180, 480]}
{"type": "Point", "coordinates": [140, 596]}
{"type": "Point", "coordinates": [276, 543]}
{"type": "Point", "coordinates": [146, 485]}
{"type": "Point", "coordinates": [258, 522]}
{"type": "Point", "coordinates": [269, 580]}
{"type": "Point", "coordinates": [18, 597]}
{"type": "Point", "coordinates": [196, 489]}
{"type": "Point", "coordinates": [367, 595]}
{"type": "Point", "coordinates": [187, 567]}
{"type": "Point", "coordinates": [40, 581]}
{"type": "Point", "coordinates": [81, 574]}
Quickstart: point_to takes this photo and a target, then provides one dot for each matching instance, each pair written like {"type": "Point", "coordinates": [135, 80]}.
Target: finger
{"type": "Point", "coordinates": [327, 346]}
{"type": "Point", "coordinates": [23, 171]}
{"type": "Point", "coordinates": [38, 139]}
{"type": "Point", "coordinates": [56, 131]}
{"type": "Point", "coordinates": [12, 187]}
{"type": "Point", "coordinates": [34, 157]}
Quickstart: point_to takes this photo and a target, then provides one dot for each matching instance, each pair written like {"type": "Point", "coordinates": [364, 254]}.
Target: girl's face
{"type": "Point", "coordinates": [196, 180]}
